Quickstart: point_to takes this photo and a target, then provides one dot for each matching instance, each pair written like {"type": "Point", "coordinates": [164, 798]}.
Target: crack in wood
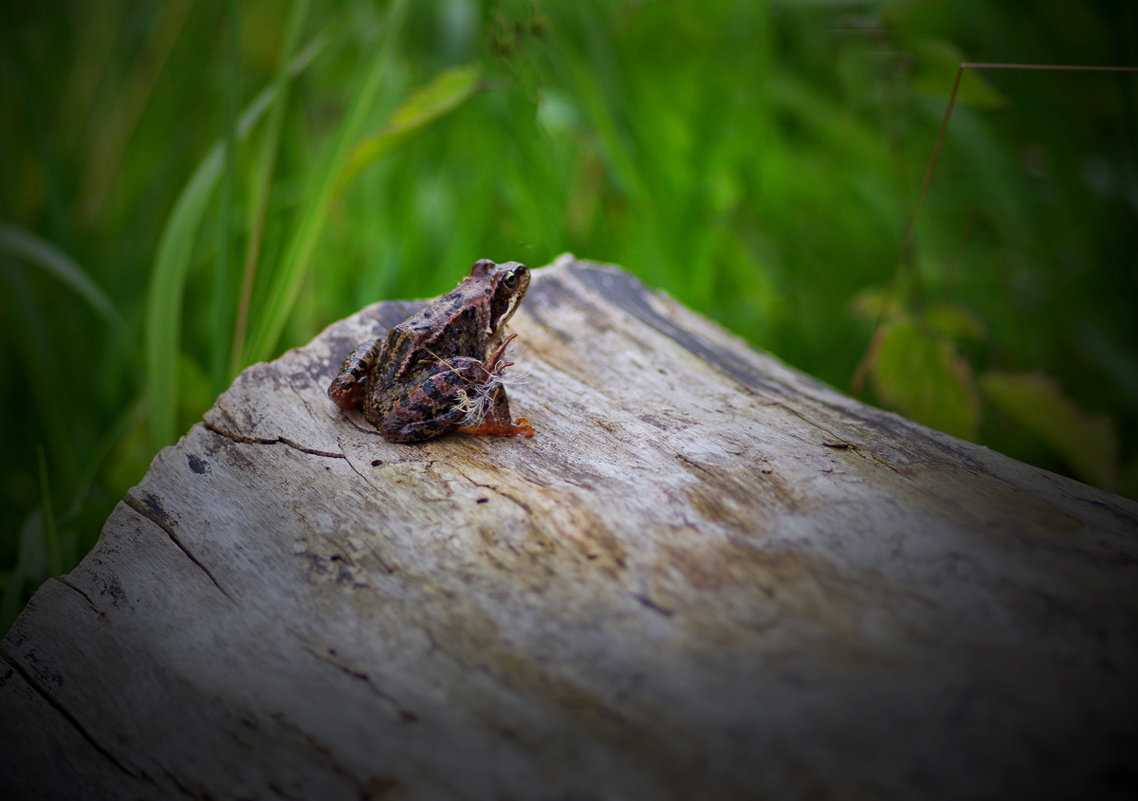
{"type": "Point", "coordinates": [405, 714]}
{"type": "Point", "coordinates": [363, 477]}
{"type": "Point", "coordinates": [157, 516]}
{"type": "Point", "coordinates": [248, 440]}
{"type": "Point", "coordinates": [498, 491]}
{"type": "Point", "coordinates": [647, 602]}
{"type": "Point", "coordinates": [184, 790]}
{"type": "Point", "coordinates": [67, 583]}
{"type": "Point", "coordinates": [279, 792]}
{"type": "Point", "coordinates": [320, 749]}
{"type": "Point", "coordinates": [73, 721]}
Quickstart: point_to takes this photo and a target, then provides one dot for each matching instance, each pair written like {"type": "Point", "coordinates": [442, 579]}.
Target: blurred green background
{"type": "Point", "coordinates": [189, 187]}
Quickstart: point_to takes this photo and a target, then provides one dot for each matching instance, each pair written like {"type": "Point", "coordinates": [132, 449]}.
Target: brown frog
{"type": "Point", "coordinates": [441, 369]}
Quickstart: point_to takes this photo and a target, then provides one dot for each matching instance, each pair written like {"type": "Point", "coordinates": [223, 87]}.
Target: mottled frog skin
{"type": "Point", "coordinates": [441, 369]}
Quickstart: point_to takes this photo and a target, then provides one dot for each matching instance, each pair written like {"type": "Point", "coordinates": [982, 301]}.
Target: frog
{"type": "Point", "coordinates": [441, 370]}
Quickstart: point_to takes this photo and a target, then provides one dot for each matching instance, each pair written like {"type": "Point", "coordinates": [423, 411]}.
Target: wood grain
{"type": "Point", "coordinates": [707, 576]}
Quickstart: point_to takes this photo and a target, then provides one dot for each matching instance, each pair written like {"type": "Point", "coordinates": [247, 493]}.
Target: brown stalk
{"type": "Point", "coordinates": [863, 368]}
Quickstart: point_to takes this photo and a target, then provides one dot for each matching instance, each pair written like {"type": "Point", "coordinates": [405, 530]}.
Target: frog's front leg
{"type": "Point", "coordinates": [495, 416]}
{"type": "Point", "coordinates": [348, 387]}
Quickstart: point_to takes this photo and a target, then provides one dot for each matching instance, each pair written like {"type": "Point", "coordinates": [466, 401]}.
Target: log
{"type": "Point", "coordinates": [707, 576]}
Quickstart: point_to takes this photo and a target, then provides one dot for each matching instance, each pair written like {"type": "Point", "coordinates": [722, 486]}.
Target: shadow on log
{"type": "Point", "coordinates": [707, 576]}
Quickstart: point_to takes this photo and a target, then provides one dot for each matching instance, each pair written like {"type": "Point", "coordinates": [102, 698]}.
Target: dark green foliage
{"type": "Point", "coordinates": [187, 188]}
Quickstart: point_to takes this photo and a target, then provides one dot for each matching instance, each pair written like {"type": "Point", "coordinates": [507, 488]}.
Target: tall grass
{"type": "Point", "coordinates": [192, 187]}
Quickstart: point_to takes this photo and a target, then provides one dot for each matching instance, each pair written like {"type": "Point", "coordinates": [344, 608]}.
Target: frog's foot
{"type": "Point", "coordinates": [346, 392]}
{"type": "Point", "coordinates": [348, 388]}
{"type": "Point", "coordinates": [522, 426]}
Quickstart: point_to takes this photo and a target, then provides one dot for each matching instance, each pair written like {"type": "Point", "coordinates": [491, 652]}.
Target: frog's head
{"type": "Point", "coordinates": [508, 284]}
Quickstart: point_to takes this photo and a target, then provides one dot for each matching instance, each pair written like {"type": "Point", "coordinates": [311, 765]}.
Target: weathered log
{"type": "Point", "coordinates": [707, 576]}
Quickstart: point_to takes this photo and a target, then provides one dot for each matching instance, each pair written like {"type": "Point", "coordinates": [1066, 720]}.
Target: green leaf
{"type": "Point", "coordinates": [195, 390]}
{"type": "Point", "coordinates": [953, 320]}
{"type": "Point", "coordinates": [223, 304]}
{"type": "Point", "coordinates": [925, 378]}
{"type": "Point", "coordinates": [1087, 442]}
{"type": "Point", "coordinates": [31, 565]}
{"type": "Point", "coordinates": [171, 264]}
{"type": "Point", "coordinates": [25, 245]}
{"type": "Point", "coordinates": [869, 303]}
{"type": "Point", "coordinates": [446, 92]}
{"type": "Point", "coordinates": [286, 281]}
{"type": "Point", "coordinates": [51, 533]}
{"type": "Point", "coordinates": [264, 165]}
{"type": "Point", "coordinates": [167, 286]}
{"type": "Point", "coordinates": [936, 64]}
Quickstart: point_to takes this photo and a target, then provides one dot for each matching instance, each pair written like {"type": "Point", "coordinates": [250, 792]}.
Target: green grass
{"type": "Point", "coordinates": [188, 188]}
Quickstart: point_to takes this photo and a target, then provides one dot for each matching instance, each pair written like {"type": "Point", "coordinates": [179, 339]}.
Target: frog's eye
{"type": "Point", "coordinates": [511, 279]}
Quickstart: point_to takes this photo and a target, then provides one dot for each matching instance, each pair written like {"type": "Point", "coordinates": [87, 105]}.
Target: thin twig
{"type": "Point", "coordinates": [863, 368]}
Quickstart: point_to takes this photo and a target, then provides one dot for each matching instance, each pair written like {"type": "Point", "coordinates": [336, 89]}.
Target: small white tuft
{"type": "Point", "coordinates": [517, 377]}
{"type": "Point", "coordinates": [476, 401]}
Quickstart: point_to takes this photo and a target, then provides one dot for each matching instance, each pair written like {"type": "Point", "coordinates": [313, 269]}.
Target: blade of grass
{"type": "Point", "coordinates": [129, 417]}
{"type": "Point", "coordinates": [446, 92]}
{"type": "Point", "coordinates": [175, 246]}
{"type": "Point", "coordinates": [51, 536]}
{"type": "Point", "coordinates": [113, 136]}
{"type": "Point", "coordinates": [286, 281]}
{"type": "Point", "coordinates": [222, 300]}
{"type": "Point", "coordinates": [40, 372]}
{"type": "Point", "coordinates": [262, 180]}
{"type": "Point", "coordinates": [591, 82]}
{"type": "Point", "coordinates": [28, 247]}
{"type": "Point", "coordinates": [31, 563]}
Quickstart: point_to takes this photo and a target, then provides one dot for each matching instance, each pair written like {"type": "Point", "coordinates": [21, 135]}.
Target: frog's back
{"type": "Point", "coordinates": [417, 345]}
{"type": "Point", "coordinates": [446, 328]}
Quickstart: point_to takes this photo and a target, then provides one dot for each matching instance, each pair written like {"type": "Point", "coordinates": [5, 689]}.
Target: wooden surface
{"type": "Point", "coordinates": [707, 576]}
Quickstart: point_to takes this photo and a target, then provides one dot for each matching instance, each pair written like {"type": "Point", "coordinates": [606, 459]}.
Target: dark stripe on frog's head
{"type": "Point", "coordinates": [510, 287]}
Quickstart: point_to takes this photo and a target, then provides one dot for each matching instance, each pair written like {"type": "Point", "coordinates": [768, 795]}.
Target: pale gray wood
{"type": "Point", "coordinates": [707, 576]}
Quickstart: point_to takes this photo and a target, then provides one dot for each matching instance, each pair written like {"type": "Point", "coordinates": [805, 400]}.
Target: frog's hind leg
{"type": "Point", "coordinates": [398, 426]}
{"type": "Point", "coordinates": [348, 387]}
{"type": "Point", "coordinates": [434, 405]}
